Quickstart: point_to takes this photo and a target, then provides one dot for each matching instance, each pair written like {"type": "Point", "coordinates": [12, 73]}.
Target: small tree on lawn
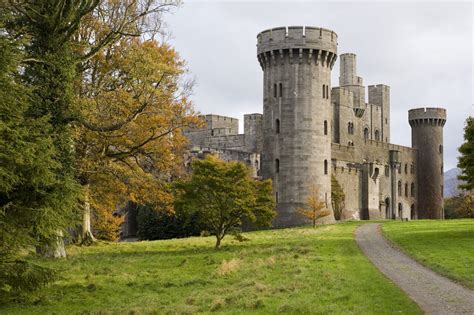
{"type": "Point", "coordinates": [224, 193]}
{"type": "Point", "coordinates": [338, 198]}
{"type": "Point", "coordinates": [315, 207]}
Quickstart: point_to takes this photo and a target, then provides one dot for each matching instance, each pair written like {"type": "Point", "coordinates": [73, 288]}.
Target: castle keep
{"type": "Point", "coordinates": [310, 131]}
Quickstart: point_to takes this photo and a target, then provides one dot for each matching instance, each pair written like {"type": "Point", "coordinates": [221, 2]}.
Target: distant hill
{"type": "Point", "coordinates": [451, 183]}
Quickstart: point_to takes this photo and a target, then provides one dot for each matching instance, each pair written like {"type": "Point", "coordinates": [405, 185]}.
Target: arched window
{"type": "Point", "coordinates": [413, 189]}
{"type": "Point", "coordinates": [324, 91]}
{"type": "Point", "coordinates": [406, 168]}
{"type": "Point", "coordinates": [277, 125]}
{"type": "Point", "coordinates": [366, 133]}
{"type": "Point", "coordinates": [325, 127]}
{"type": "Point", "coordinates": [399, 187]}
{"type": "Point", "coordinates": [377, 135]}
{"type": "Point", "coordinates": [325, 167]}
{"type": "Point", "coordinates": [281, 89]}
{"type": "Point", "coordinates": [277, 166]}
{"type": "Point", "coordinates": [350, 128]}
{"type": "Point", "coordinates": [406, 189]}
{"type": "Point", "coordinates": [274, 90]}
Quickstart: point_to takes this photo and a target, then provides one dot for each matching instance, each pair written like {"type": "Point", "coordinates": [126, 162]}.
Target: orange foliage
{"type": "Point", "coordinates": [315, 206]}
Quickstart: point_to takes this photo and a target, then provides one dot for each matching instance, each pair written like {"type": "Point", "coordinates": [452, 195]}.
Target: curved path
{"type": "Point", "coordinates": [432, 292]}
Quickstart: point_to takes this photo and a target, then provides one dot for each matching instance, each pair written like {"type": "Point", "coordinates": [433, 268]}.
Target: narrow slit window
{"type": "Point", "coordinates": [327, 91]}
{"type": "Point", "coordinates": [399, 187]}
{"type": "Point", "coordinates": [281, 89]}
{"type": "Point", "coordinates": [277, 166]}
{"type": "Point", "coordinates": [325, 167]}
{"type": "Point", "coordinates": [325, 127]}
{"type": "Point", "coordinates": [324, 92]}
{"type": "Point", "coordinates": [274, 90]}
{"type": "Point", "coordinates": [277, 126]}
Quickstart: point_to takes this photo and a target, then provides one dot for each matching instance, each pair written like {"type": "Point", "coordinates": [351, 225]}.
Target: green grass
{"type": "Point", "coordinates": [446, 247]}
{"type": "Point", "coordinates": [292, 271]}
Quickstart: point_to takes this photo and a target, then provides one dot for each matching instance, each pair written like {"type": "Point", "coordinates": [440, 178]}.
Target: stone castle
{"type": "Point", "coordinates": [310, 131]}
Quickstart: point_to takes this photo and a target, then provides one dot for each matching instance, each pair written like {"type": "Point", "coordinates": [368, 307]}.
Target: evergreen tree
{"type": "Point", "coordinates": [31, 192]}
{"type": "Point", "coordinates": [466, 160]}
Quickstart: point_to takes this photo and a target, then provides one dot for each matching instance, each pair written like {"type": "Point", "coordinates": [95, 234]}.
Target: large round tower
{"type": "Point", "coordinates": [297, 63]}
{"type": "Point", "coordinates": [427, 137]}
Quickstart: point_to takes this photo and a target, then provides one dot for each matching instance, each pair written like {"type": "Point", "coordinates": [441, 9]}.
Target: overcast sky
{"type": "Point", "coordinates": [423, 51]}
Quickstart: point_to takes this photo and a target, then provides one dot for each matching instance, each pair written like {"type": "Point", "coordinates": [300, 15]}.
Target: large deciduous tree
{"type": "Point", "coordinates": [130, 144]}
{"type": "Point", "coordinates": [466, 160]}
{"type": "Point", "coordinates": [224, 194]}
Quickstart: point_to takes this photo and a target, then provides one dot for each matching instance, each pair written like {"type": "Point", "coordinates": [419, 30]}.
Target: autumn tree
{"type": "Point", "coordinates": [466, 160]}
{"type": "Point", "coordinates": [134, 104]}
{"type": "Point", "coordinates": [338, 198]}
{"type": "Point", "coordinates": [224, 194]}
{"type": "Point", "coordinates": [315, 207]}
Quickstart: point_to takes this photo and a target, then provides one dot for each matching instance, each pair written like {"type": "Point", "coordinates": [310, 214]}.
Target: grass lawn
{"type": "Point", "coordinates": [296, 271]}
{"type": "Point", "coordinates": [446, 247]}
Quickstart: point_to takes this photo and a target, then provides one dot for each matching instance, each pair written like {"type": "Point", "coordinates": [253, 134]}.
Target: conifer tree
{"type": "Point", "coordinates": [466, 160]}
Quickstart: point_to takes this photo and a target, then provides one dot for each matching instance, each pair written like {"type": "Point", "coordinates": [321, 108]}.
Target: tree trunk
{"type": "Point", "coordinates": [87, 236]}
{"type": "Point", "coordinates": [54, 250]}
{"type": "Point", "coordinates": [218, 242]}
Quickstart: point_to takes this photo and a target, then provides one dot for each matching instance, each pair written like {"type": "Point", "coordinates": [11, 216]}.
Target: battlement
{"type": "Point", "coordinates": [383, 87]}
{"type": "Point", "coordinates": [315, 43]}
{"type": "Point", "coordinates": [433, 116]}
{"type": "Point", "coordinates": [254, 116]}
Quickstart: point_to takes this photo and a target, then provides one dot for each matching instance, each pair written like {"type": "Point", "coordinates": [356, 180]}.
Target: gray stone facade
{"type": "Point", "coordinates": [310, 131]}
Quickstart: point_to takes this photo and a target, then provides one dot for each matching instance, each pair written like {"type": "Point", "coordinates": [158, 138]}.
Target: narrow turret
{"type": "Point", "coordinates": [427, 138]}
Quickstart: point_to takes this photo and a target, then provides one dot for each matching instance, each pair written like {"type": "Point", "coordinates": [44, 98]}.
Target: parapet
{"type": "Point", "coordinates": [427, 116]}
{"type": "Point", "coordinates": [296, 39]}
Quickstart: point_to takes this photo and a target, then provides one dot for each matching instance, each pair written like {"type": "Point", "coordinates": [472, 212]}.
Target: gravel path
{"type": "Point", "coordinates": [432, 292]}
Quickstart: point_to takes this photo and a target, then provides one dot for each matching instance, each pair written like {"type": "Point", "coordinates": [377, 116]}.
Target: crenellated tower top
{"type": "Point", "coordinates": [299, 44]}
{"type": "Point", "coordinates": [427, 116]}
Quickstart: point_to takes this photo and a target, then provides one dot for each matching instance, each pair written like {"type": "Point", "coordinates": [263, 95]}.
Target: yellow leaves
{"type": "Point", "coordinates": [315, 206]}
{"type": "Point", "coordinates": [134, 85]}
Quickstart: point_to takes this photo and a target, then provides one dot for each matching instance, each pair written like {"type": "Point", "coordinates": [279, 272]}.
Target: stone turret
{"type": "Point", "coordinates": [427, 137]}
{"type": "Point", "coordinates": [297, 63]}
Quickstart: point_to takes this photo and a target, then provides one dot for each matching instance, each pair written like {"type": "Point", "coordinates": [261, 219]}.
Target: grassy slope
{"type": "Point", "coordinates": [444, 246]}
{"type": "Point", "coordinates": [297, 271]}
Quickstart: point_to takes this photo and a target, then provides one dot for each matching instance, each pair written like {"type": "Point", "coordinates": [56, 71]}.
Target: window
{"type": "Point", "coordinates": [281, 89]}
{"type": "Point", "coordinates": [324, 91]}
{"type": "Point", "coordinates": [377, 135]}
{"type": "Point", "coordinates": [406, 168]}
{"type": "Point", "coordinates": [276, 197]}
{"type": "Point", "coordinates": [277, 166]}
{"type": "Point", "coordinates": [406, 189]}
{"type": "Point", "coordinates": [277, 125]}
{"type": "Point", "coordinates": [325, 167]}
{"type": "Point", "coordinates": [412, 169]}
{"type": "Point", "coordinates": [274, 90]}
{"type": "Point", "coordinates": [350, 128]}
{"type": "Point", "coordinates": [325, 127]}
{"type": "Point", "coordinates": [327, 91]}
{"type": "Point", "coordinates": [366, 133]}
{"type": "Point", "coordinates": [441, 169]}
{"type": "Point", "coordinates": [413, 189]}
{"type": "Point", "coordinates": [399, 187]}
{"type": "Point", "coordinates": [399, 168]}
{"type": "Point", "coordinates": [387, 170]}
{"type": "Point", "coordinates": [440, 148]}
